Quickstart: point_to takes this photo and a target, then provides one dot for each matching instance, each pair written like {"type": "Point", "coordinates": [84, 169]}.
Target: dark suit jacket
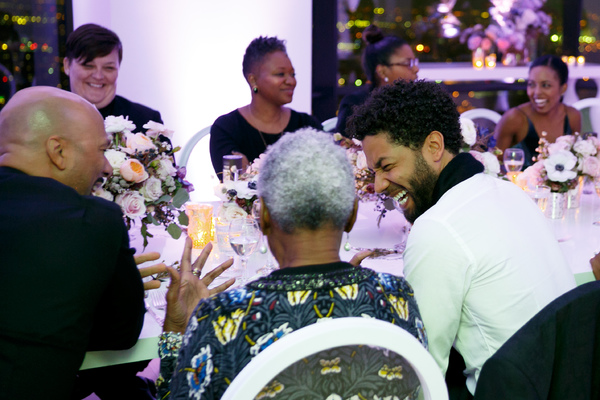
{"type": "Point", "coordinates": [556, 355]}
{"type": "Point", "coordinates": [69, 284]}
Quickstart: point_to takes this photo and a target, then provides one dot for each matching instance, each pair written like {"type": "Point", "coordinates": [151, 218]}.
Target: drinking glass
{"type": "Point", "coordinates": [244, 235]}
{"type": "Point", "coordinates": [513, 159]}
{"type": "Point", "coordinates": [263, 244]}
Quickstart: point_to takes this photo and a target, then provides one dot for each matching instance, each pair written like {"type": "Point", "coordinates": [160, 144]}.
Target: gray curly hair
{"type": "Point", "coordinates": [306, 182]}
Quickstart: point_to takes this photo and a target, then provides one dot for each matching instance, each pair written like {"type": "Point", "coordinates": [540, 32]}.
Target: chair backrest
{"type": "Point", "coordinates": [329, 124]}
{"type": "Point", "coordinates": [482, 113]}
{"type": "Point", "coordinates": [593, 114]}
{"type": "Point", "coordinates": [334, 333]}
{"type": "Point", "coordinates": [184, 156]}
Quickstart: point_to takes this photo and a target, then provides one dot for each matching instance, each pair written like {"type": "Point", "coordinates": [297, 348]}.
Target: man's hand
{"type": "Point", "coordinates": [595, 262]}
{"type": "Point", "coordinates": [152, 270]}
{"type": "Point", "coordinates": [186, 290]}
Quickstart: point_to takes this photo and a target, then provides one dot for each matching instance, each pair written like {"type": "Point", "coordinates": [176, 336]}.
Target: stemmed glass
{"type": "Point", "coordinates": [244, 235]}
{"type": "Point", "coordinates": [514, 159]}
{"type": "Point", "coordinates": [263, 244]}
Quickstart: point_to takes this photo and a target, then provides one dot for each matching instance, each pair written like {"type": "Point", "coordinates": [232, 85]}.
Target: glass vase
{"type": "Point", "coordinates": [574, 195]}
{"type": "Point", "coordinates": [555, 209]}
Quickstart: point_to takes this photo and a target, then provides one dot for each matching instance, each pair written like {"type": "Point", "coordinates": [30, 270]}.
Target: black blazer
{"type": "Point", "coordinates": [69, 284]}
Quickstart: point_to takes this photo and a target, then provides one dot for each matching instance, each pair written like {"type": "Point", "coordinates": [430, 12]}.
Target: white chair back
{"type": "Point", "coordinates": [330, 124]}
{"type": "Point", "coordinates": [484, 113]}
{"type": "Point", "coordinates": [184, 156]}
{"type": "Point", "coordinates": [593, 104]}
{"type": "Point", "coordinates": [335, 333]}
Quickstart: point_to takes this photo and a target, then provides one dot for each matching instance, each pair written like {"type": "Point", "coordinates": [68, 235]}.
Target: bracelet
{"type": "Point", "coordinates": [169, 344]}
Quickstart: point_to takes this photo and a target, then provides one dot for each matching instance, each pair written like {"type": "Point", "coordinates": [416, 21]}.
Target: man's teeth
{"type": "Point", "coordinates": [401, 197]}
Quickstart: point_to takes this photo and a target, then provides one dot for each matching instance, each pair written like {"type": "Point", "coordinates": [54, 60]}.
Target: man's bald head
{"type": "Point", "coordinates": [53, 133]}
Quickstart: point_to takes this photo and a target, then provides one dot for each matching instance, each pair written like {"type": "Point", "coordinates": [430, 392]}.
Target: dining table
{"type": "Point", "coordinates": [578, 238]}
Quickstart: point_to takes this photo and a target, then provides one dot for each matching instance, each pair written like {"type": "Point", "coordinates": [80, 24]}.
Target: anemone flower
{"type": "Point", "coordinates": [560, 166]}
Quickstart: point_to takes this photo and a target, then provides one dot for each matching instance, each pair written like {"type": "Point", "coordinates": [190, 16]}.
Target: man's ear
{"type": "Point", "coordinates": [265, 218]}
{"type": "Point", "coordinates": [352, 218]}
{"type": "Point", "coordinates": [434, 146]}
{"type": "Point", "coordinates": [55, 148]}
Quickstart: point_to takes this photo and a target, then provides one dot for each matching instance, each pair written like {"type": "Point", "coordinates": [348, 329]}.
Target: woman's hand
{"type": "Point", "coordinates": [186, 289]}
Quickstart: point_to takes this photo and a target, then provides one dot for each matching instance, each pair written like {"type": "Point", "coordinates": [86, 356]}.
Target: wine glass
{"type": "Point", "coordinates": [263, 244]}
{"type": "Point", "coordinates": [514, 159]}
{"type": "Point", "coordinates": [244, 235]}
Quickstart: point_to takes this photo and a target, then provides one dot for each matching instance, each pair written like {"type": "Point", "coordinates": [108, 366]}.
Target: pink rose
{"type": "Point", "coordinates": [132, 204]}
{"type": "Point", "coordinates": [154, 129]}
{"type": "Point", "coordinates": [152, 189]}
{"type": "Point", "coordinates": [591, 166]}
{"type": "Point", "coordinates": [133, 171]}
{"type": "Point", "coordinates": [138, 142]}
{"type": "Point", "coordinates": [503, 44]}
{"type": "Point", "coordinates": [554, 148]}
{"type": "Point", "coordinates": [486, 44]}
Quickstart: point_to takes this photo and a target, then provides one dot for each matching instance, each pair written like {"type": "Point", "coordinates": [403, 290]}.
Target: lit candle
{"type": "Point", "coordinates": [200, 228]}
{"type": "Point", "coordinates": [565, 59]}
{"type": "Point", "coordinates": [572, 60]}
{"type": "Point", "coordinates": [478, 58]}
{"type": "Point", "coordinates": [580, 61]}
{"type": "Point", "coordinates": [490, 61]}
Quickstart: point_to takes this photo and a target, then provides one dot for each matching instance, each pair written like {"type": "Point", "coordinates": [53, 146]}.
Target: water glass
{"type": "Point", "coordinates": [514, 159]}
{"type": "Point", "coordinates": [244, 235]}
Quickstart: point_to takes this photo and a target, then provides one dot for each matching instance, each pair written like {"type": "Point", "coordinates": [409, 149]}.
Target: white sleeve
{"type": "Point", "coordinates": [438, 267]}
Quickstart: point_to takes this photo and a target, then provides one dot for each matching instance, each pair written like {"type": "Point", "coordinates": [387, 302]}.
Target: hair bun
{"type": "Point", "coordinates": [372, 34]}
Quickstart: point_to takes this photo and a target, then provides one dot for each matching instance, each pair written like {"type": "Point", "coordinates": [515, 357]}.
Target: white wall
{"type": "Point", "coordinates": [184, 57]}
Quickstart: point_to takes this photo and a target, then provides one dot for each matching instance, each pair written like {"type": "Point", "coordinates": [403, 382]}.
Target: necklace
{"type": "Point", "coordinates": [263, 138]}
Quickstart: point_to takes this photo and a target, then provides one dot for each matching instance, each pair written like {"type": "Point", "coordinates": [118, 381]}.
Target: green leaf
{"type": "Point", "coordinates": [165, 198]}
{"type": "Point", "coordinates": [181, 196]}
{"type": "Point", "coordinates": [183, 219]}
{"type": "Point", "coordinates": [174, 230]}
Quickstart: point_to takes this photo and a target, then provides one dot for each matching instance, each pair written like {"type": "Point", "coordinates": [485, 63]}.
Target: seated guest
{"type": "Point", "coordinates": [523, 125]}
{"type": "Point", "coordinates": [71, 283]}
{"type": "Point", "coordinates": [385, 59]}
{"type": "Point", "coordinates": [306, 188]}
{"type": "Point", "coordinates": [92, 60]}
{"type": "Point", "coordinates": [247, 131]}
{"type": "Point", "coordinates": [556, 355]}
{"type": "Point", "coordinates": [480, 255]}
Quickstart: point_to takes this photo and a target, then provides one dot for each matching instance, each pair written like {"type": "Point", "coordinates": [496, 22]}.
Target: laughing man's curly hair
{"type": "Point", "coordinates": [408, 112]}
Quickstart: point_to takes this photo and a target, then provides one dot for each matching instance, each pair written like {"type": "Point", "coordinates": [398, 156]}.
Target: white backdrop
{"type": "Point", "coordinates": [184, 58]}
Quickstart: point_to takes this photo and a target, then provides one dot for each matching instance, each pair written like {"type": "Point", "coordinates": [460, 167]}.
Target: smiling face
{"type": "Point", "coordinates": [95, 81]}
{"type": "Point", "coordinates": [402, 174]}
{"type": "Point", "coordinates": [544, 89]}
{"type": "Point", "coordinates": [275, 78]}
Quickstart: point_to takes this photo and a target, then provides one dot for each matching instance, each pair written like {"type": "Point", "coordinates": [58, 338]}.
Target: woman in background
{"type": "Point", "coordinates": [92, 61]}
{"type": "Point", "coordinates": [247, 131]}
{"type": "Point", "coordinates": [522, 126]}
{"type": "Point", "coordinates": [386, 58]}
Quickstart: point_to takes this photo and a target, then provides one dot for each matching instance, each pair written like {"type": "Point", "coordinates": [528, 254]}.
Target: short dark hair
{"type": "Point", "coordinates": [555, 63]}
{"type": "Point", "coordinates": [90, 41]}
{"type": "Point", "coordinates": [257, 50]}
{"type": "Point", "coordinates": [408, 112]}
{"type": "Point", "coordinates": [379, 49]}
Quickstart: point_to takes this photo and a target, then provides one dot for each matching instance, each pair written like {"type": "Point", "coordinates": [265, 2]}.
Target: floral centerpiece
{"type": "Point", "coordinates": [238, 196]}
{"type": "Point", "coordinates": [559, 164]}
{"type": "Point", "coordinates": [514, 24]}
{"type": "Point", "coordinates": [145, 183]}
{"type": "Point", "coordinates": [480, 144]}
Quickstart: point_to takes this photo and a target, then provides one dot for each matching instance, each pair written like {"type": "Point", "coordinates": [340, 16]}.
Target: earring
{"type": "Point", "coordinates": [347, 245]}
{"type": "Point", "coordinates": [386, 79]}
{"type": "Point", "coordinates": [255, 89]}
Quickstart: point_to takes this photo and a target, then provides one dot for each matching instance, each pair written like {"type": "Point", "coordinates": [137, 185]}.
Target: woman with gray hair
{"type": "Point", "coordinates": [306, 186]}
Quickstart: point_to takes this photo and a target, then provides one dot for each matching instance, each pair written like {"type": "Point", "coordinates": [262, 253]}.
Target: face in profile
{"type": "Point", "coordinates": [398, 66]}
{"type": "Point", "coordinates": [402, 174]}
{"type": "Point", "coordinates": [95, 81]}
{"type": "Point", "coordinates": [544, 89]}
{"type": "Point", "coordinates": [276, 78]}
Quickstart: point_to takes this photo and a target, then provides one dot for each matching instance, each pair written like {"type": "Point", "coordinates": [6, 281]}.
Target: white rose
{"type": "Point", "coordinates": [116, 158]}
{"type": "Point", "coordinates": [154, 129]}
{"type": "Point", "coordinates": [468, 131]}
{"type": "Point", "coordinates": [231, 211]}
{"type": "Point", "coordinates": [491, 164]}
{"type": "Point", "coordinates": [570, 139]}
{"type": "Point", "coordinates": [132, 204]}
{"type": "Point", "coordinates": [557, 147]}
{"type": "Point", "coordinates": [138, 142]}
{"type": "Point", "coordinates": [591, 166]}
{"type": "Point", "coordinates": [103, 193]}
{"type": "Point", "coordinates": [361, 160]}
{"type": "Point", "coordinates": [113, 124]}
{"type": "Point", "coordinates": [152, 189]}
{"type": "Point", "coordinates": [585, 148]}
{"type": "Point", "coordinates": [165, 168]}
